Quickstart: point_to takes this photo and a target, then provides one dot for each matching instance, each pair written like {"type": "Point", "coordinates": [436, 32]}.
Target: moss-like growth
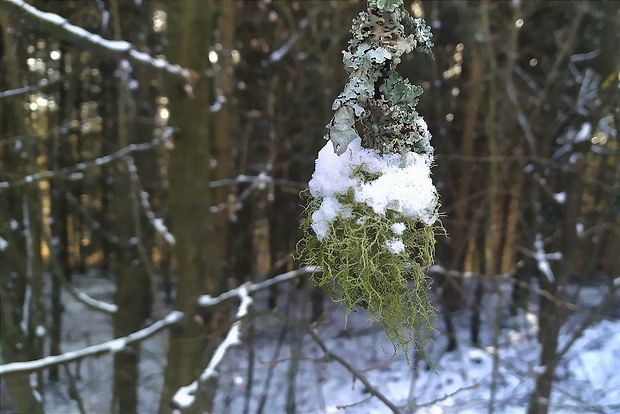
{"type": "Point", "coordinates": [363, 267]}
{"type": "Point", "coordinates": [371, 211]}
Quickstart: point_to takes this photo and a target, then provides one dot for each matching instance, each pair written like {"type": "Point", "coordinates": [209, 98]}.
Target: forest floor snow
{"type": "Point", "coordinates": [291, 374]}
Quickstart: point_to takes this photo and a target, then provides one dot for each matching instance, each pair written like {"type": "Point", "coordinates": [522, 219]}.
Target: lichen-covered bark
{"type": "Point", "coordinates": [376, 95]}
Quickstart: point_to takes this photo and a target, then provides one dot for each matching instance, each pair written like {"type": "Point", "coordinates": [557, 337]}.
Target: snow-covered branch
{"type": "Point", "coordinates": [90, 303]}
{"type": "Point", "coordinates": [207, 301]}
{"type": "Point", "coordinates": [156, 222]}
{"type": "Point", "coordinates": [114, 49]}
{"type": "Point", "coordinates": [172, 318]}
{"type": "Point", "coordinates": [542, 258]}
{"type": "Point", "coordinates": [42, 84]}
{"type": "Point", "coordinates": [75, 172]}
{"type": "Point", "coordinates": [114, 345]}
{"type": "Point", "coordinates": [185, 396]}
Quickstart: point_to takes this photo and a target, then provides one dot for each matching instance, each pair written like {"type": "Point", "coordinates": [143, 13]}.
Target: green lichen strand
{"type": "Point", "coordinates": [359, 270]}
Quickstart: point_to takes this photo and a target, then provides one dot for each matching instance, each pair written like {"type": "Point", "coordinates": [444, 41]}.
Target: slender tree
{"type": "Point", "coordinates": [195, 253]}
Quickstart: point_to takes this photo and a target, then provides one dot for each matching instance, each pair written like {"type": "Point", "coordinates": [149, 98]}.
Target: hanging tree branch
{"type": "Point", "coordinates": [113, 49]}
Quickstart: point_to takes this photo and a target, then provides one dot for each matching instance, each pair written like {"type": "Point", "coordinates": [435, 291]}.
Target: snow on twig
{"type": "Point", "coordinates": [115, 49]}
{"type": "Point", "coordinates": [279, 53]}
{"type": "Point", "coordinates": [74, 172]}
{"type": "Point", "coordinates": [93, 303]}
{"type": "Point", "coordinates": [156, 222]}
{"type": "Point", "coordinates": [542, 258]}
{"type": "Point", "coordinates": [42, 84]}
{"type": "Point", "coordinates": [207, 301]}
{"type": "Point", "coordinates": [185, 396]}
{"type": "Point", "coordinates": [114, 345]}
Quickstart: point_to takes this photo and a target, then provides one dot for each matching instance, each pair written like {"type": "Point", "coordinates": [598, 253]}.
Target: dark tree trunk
{"type": "Point", "coordinates": [198, 268]}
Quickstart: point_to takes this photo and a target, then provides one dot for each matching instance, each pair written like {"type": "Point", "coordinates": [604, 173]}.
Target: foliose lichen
{"type": "Point", "coordinates": [376, 95]}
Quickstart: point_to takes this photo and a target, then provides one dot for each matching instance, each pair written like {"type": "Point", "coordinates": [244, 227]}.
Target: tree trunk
{"type": "Point", "coordinates": [552, 312]}
{"type": "Point", "coordinates": [133, 287]}
{"type": "Point", "coordinates": [221, 151]}
{"type": "Point", "coordinates": [14, 343]}
{"type": "Point", "coordinates": [197, 264]}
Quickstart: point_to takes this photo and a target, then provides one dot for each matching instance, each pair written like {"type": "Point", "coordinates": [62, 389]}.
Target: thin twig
{"type": "Point", "coordinates": [330, 355]}
{"type": "Point", "coordinates": [452, 394]}
{"type": "Point", "coordinates": [75, 393]}
{"type": "Point", "coordinates": [74, 172]}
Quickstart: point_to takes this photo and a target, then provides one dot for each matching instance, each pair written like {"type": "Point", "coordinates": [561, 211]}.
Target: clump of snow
{"type": "Point", "coordinates": [396, 246]}
{"type": "Point", "coordinates": [398, 228]}
{"type": "Point", "coordinates": [403, 185]}
{"type": "Point", "coordinates": [560, 198]}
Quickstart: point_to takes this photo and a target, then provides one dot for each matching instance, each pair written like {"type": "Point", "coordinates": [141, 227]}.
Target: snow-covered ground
{"type": "Point", "coordinates": [289, 366]}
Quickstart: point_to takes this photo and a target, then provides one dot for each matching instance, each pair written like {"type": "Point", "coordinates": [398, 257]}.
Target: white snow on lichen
{"type": "Point", "coordinates": [398, 228]}
{"type": "Point", "coordinates": [403, 185]}
{"type": "Point", "coordinates": [396, 246]}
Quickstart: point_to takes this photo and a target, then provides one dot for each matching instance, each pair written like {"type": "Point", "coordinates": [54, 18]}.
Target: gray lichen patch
{"type": "Point", "coordinates": [381, 35]}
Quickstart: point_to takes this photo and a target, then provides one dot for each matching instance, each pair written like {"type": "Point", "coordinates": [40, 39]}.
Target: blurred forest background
{"type": "Point", "coordinates": [174, 182]}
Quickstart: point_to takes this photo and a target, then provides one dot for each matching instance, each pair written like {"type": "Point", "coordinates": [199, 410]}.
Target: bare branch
{"type": "Point", "coordinates": [452, 394]}
{"type": "Point", "coordinates": [260, 178]}
{"type": "Point", "coordinates": [509, 277]}
{"type": "Point", "coordinates": [114, 49]}
{"type": "Point", "coordinates": [371, 389]}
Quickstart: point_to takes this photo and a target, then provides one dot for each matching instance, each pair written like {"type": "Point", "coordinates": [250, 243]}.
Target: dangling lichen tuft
{"type": "Point", "coordinates": [372, 210]}
{"type": "Point", "coordinates": [367, 264]}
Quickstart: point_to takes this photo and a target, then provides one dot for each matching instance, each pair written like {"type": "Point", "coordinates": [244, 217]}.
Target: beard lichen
{"type": "Point", "coordinates": [371, 209]}
{"type": "Point", "coordinates": [360, 269]}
